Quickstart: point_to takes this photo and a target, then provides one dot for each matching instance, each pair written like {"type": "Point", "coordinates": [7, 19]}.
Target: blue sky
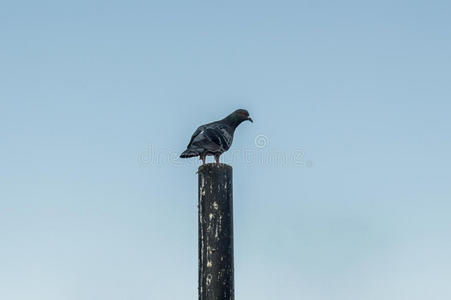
{"type": "Point", "coordinates": [351, 99]}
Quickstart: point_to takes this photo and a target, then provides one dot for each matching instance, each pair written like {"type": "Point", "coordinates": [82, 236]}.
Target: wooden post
{"type": "Point", "coordinates": [215, 232]}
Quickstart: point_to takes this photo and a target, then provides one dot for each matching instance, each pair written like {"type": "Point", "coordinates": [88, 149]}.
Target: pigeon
{"type": "Point", "coordinates": [215, 138]}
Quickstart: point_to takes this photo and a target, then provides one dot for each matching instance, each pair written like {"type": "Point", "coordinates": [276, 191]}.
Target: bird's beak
{"type": "Point", "coordinates": [250, 119]}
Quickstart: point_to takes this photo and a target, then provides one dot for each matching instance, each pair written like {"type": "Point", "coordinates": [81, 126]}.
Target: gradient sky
{"type": "Point", "coordinates": [346, 197]}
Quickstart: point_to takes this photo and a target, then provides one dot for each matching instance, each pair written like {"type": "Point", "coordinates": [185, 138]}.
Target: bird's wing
{"type": "Point", "coordinates": [195, 134]}
{"type": "Point", "coordinates": [214, 137]}
{"type": "Point", "coordinates": [223, 135]}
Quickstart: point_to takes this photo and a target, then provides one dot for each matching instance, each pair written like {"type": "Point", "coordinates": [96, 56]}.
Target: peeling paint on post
{"type": "Point", "coordinates": [215, 232]}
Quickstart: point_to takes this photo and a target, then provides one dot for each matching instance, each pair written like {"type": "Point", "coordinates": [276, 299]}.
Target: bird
{"type": "Point", "coordinates": [216, 137]}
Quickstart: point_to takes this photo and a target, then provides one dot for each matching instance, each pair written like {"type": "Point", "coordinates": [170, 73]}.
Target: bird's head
{"type": "Point", "coordinates": [237, 117]}
{"type": "Point", "coordinates": [241, 115]}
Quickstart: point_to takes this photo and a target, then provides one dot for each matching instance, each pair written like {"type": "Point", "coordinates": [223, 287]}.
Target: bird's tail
{"type": "Point", "coordinates": [191, 153]}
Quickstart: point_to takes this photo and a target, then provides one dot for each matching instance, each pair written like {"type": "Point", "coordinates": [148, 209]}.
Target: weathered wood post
{"type": "Point", "coordinates": [216, 280]}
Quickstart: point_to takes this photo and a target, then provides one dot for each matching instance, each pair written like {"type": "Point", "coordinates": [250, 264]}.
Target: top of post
{"type": "Point", "coordinates": [214, 167]}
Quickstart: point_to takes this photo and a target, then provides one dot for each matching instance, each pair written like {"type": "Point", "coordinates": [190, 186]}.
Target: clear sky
{"type": "Point", "coordinates": [341, 185]}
